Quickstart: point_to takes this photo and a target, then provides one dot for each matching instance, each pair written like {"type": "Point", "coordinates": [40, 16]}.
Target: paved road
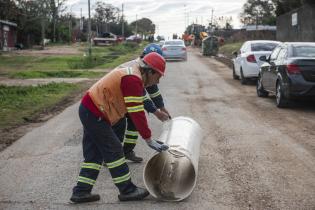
{"type": "Point", "coordinates": [253, 155]}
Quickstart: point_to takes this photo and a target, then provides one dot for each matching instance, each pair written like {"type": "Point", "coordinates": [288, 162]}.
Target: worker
{"type": "Point", "coordinates": [153, 103]}
{"type": "Point", "coordinates": [105, 105]}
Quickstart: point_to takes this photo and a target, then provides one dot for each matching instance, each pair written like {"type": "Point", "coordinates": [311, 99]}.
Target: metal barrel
{"type": "Point", "coordinates": [171, 175]}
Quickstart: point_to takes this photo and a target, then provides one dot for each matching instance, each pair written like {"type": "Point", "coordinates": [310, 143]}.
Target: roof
{"type": "Point", "coordinates": [8, 23]}
{"type": "Point", "coordinates": [259, 28]}
{"type": "Point", "coordinates": [263, 41]}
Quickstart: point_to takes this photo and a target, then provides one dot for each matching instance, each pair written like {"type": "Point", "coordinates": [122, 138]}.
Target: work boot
{"type": "Point", "coordinates": [138, 194]}
{"type": "Point", "coordinates": [84, 197]}
{"type": "Point", "coordinates": [132, 156]}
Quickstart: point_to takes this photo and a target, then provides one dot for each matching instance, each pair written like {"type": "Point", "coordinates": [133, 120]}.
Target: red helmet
{"type": "Point", "coordinates": [156, 62]}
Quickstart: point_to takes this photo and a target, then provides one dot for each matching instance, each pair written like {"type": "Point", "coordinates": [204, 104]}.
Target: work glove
{"type": "Point", "coordinates": [165, 111]}
{"type": "Point", "coordinates": [161, 115]}
{"type": "Point", "coordinates": [157, 145]}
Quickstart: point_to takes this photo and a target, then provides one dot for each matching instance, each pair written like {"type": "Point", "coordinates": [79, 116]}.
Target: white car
{"type": "Point", "coordinates": [247, 61]}
{"type": "Point", "coordinates": [174, 49]}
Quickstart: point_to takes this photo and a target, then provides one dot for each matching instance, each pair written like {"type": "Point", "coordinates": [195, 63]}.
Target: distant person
{"type": "Point", "coordinates": [153, 103]}
{"type": "Point", "coordinates": [105, 104]}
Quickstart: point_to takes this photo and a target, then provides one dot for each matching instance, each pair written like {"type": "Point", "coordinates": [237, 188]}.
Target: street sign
{"type": "Point", "coordinates": [294, 19]}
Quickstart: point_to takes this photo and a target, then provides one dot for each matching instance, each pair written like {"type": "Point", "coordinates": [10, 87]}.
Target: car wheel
{"type": "Point", "coordinates": [261, 92]}
{"type": "Point", "coordinates": [281, 100]}
{"type": "Point", "coordinates": [243, 79]}
{"type": "Point", "coordinates": [234, 74]}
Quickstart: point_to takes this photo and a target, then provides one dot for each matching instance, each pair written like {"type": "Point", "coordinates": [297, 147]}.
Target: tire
{"type": "Point", "coordinates": [243, 79]}
{"type": "Point", "coordinates": [261, 92]}
{"type": "Point", "coordinates": [281, 100]}
{"type": "Point", "coordinates": [234, 74]}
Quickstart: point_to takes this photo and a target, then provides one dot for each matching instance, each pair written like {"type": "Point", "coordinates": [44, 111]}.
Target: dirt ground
{"type": "Point", "coordinates": [51, 50]}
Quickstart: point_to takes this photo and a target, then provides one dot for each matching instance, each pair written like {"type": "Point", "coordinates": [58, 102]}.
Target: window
{"type": "Point", "coordinates": [174, 43]}
{"type": "Point", "coordinates": [303, 51]}
{"type": "Point", "coordinates": [275, 53]}
{"type": "Point", "coordinates": [263, 46]}
{"type": "Point", "coordinates": [243, 48]}
{"type": "Point", "coordinates": [282, 54]}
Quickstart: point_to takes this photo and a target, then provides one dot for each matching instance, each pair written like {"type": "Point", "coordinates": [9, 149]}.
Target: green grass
{"type": "Point", "coordinates": [55, 74]}
{"type": "Point", "coordinates": [20, 104]}
{"type": "Point", "coordinates": [229, 48]}
{"type": "Point", "coordinates": [22, 63]}
{"type": "Point", "coordinates": [102, 57]}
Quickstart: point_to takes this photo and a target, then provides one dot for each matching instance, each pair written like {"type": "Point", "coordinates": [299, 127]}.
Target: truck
{"type": "Point", "coordinates": [106, 39]}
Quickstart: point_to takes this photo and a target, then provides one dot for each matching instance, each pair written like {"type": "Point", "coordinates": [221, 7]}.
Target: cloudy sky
{"type": "Point", "coordinates": [170, 16]}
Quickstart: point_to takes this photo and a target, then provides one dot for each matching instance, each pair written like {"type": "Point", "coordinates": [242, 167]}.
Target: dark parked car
{"type": "Point", "coordinates": [289, 72]}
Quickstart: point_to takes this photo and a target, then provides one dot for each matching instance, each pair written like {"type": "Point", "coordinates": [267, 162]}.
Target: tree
{"type": "Point", "coordinates": [223, 22]}
{"type": "Point", "coordinates": [8, 10]}
{"type": "Point", "coordinates": [106, 13]}
{"type": "Point", "coordinates": [115, 28]}
{"type": "Point", "coordinates": [144, 26]}
{"type": "Point", "coordinates": [258, 12]}
{"type": "Point", "coordinates": [56, 7]}
{"type": "Point", "coordinates": [284, 6]}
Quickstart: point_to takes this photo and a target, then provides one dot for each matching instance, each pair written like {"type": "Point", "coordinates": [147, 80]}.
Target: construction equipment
{"type": "Point", "coordinates": [203, 35]}
{"type": "Point", "coordinates": [172, 175]}
{"type": "Point", "coordinates": [210, 46]}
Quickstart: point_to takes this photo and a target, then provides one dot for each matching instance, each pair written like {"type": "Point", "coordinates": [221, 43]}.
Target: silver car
{"type": "Point", "coordinates": [174, 49]}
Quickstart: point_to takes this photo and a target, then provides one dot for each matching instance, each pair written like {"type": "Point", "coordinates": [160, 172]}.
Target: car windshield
{"type": "Point", "coordinates": [174, 43]}
{"type": "Point", "coordinates": [303, 51]}
{"type": "Point", "coordinates": [266, 46]}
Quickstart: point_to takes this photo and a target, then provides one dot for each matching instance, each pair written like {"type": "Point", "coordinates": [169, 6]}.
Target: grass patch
{"type": "Point", "coordinates": [20, 62]}
{"type": "Point", "coordinates": [17, 66]}
{"type": "Point", "coordinates": [55, 74]}
{"type": "Point", "coordinates": [108, 57]}
{"type": "Point", "coordinates": [229, 48]}
{"type": "Point", "coordinates": [90, 62]}
{"type": "Point", "coordinates": [22, 104]}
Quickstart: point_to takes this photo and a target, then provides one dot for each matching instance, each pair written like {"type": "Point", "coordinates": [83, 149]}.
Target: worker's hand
{"type": "Point", "coordinates": [157, 145]}
{"type": "Point", "coordinates": [161, 115]}
{"type": "Point", "coordinates": [165, 111]}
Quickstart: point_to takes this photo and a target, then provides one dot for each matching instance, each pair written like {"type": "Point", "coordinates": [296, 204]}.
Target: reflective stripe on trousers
{"type": "Point", "coordinates": [100, 143]}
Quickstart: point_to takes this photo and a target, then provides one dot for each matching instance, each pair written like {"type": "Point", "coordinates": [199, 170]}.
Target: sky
{"type": "Point", "coordinates": [169, 16]}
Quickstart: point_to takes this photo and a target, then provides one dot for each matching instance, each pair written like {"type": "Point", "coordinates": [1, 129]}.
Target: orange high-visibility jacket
{"type": "Point", "coordinates": [107, 96]}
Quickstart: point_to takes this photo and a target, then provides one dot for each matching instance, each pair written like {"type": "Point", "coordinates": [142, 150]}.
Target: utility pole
{"type": "Point", "coordinates": [212, 10]}
{"type": "Point", "coordinates": [43, 31]}
{"type": "Point", "coordinates": [81, 26]}
{"type": "Point", "coordinates": [70, 28]}
{"type": "Point", "coordinates": [185, 16]}
{"type": "Point", "coordinates": [136, 24]}
{"type": "Point", "coordinates": [122, 21]}
{"type": "Point", "coordinates": [89, 29]}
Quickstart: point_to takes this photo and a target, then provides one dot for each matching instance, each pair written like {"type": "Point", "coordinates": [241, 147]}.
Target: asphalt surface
{"type": "Point", "coordinates": [253, 155]}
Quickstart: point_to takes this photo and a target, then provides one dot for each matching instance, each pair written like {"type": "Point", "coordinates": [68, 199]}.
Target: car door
{"type": "Point", "coordinates": [267, 73]}
{"type": "Point", "coordinates": [275, 70]}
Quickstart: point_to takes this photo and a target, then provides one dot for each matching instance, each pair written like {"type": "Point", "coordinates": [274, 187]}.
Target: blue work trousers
{"type": "Point", "coordinates": [102, 144]}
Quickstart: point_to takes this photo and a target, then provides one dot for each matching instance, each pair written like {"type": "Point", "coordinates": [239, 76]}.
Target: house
{"type": "Point", "coordinates": [297, 25]}
{"type": "Point", "coordinates": [7, 35]}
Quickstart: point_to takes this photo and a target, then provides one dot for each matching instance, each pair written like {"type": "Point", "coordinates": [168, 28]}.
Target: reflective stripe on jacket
{"type": "Point", "coordinates": [107, 96]}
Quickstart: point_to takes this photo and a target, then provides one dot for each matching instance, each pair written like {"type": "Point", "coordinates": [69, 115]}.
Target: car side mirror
{"type": "Point", "coordinates": [263, 58]}
{"type": "Point", "coordinates": [234, 53]}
